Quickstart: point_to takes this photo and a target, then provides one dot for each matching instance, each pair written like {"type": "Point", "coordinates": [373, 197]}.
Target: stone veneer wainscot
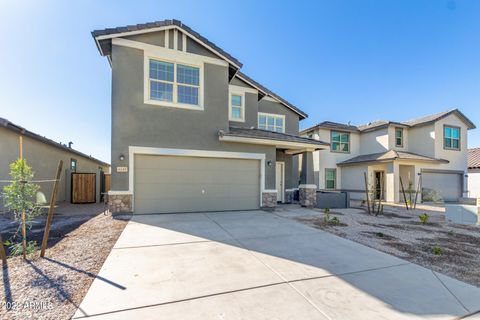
{"type": "Point", "coordinates": [120, 203]}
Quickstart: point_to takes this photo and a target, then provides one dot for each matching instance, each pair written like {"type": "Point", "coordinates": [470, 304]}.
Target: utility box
{"type": "Point", "coordinates": [332, 199]}
{"type": "Point", "coordinates": [462, 213]}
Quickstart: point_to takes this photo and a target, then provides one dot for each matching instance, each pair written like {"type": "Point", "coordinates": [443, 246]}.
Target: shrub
{"type": "Point", "coordinates": [437, 250]}
{"type": "Point", "coordinates": [380, 234]}
{"type": "Point", "coordinates": [19, 195]}
{"type": "Point", "coordinates": [334, 220]}
{"type": "Point", "coordinates": [326, 217]}
{"type": "Point", "coordinates": [330, 220]}
{"type": "Point", "coordinates": [424, 218]}
{"type": "Point", "coordinates": [16, 249]}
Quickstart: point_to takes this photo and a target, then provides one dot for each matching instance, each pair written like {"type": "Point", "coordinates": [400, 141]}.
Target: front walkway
{"type": "Point", "coordinates": [258, 265]}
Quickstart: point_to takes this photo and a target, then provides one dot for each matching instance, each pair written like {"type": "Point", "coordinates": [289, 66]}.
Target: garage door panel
{"type": "Point", "coordinates": [188, 184]}
{"type": "Point", "coordinates": [447, 185]}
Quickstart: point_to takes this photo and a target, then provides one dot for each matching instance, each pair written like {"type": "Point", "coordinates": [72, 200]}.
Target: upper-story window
{"type": "Point", "coordinates": [340, 141]}
{"type": "Point", "coordinates": [451, 138]}
{"type": "Point", "coordinates": [237, 107]}
{"type": "Point", "coordinates": [174, 83]}
{"type": "Point", "coordinates": [398, 137]}
{"type": "Point", "coordinates": [271, 122]}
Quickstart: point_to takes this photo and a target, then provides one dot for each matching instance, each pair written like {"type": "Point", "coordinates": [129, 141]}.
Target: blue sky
{"type": "Point", "coordinates": [337, 60]}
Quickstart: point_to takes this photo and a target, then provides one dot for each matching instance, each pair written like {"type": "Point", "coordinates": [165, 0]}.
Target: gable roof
{"type": "Point", "coordinates": [378, 124]}
{"type": "Point", "coordinates": [332, 125]}
{"type": "Point", "coordinates": [474, 158]}
{"type": "Point", "coordinates": [270, 135]}
{"type": "Point", "coordinates": [267, 92]}
{"type": "Point", "coordinates": [438, 116]}
{"type": "Point", "coordinates": [103, 37]}
{"type": "Point", "coordinates": [390, 155]}
{"type": "Point", "coordinates": [20, 130]}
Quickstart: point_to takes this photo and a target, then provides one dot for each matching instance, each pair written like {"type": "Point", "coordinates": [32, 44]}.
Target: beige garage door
{"type": "Point", "coordinates": [165, 184]}
{"type": "Point", "coordinates": [447, 185]}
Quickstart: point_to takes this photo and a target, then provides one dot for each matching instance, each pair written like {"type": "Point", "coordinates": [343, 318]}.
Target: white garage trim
{"type": "Point", "coordinates": [134, 150]}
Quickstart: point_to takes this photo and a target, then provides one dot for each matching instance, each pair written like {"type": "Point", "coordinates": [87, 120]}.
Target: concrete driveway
{"type": "Point", "coordinates": [259, 265]}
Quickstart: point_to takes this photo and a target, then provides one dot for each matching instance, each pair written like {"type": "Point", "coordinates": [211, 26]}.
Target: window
{"type": "Point", "coordinates": [451, 137]}
{"type": "Point", "coordinates": [330, 178]}
{"type": "Point", "coordinates": [271, 122]}
{"type": "Point", "coordinates": [73, 165]}
{"type": "Point", "coordinates": [174, 83]}
{"type": "Point", "coordinates": [399, 137]}
{"type": "Point", "coordinates": [340, 141]}
{"type": "Point", "coordinates": [237, 108]}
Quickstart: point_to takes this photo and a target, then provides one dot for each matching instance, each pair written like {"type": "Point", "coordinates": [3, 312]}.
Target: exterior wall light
{"type": "Point", "coordinates": [269, 163]}
{"type": "Point", "coordinates": [122, 157]}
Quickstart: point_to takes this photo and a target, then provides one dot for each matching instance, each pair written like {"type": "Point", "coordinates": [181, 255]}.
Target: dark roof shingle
{"type": "Point", "coordinates": [270, 135]}
{"type": "Point", "coordinates": [410, 123]}
{"type": "Point", "coordinates": [267, 91]}
{"type": "Point", "coordinates": [105, 46]}
{"type": "Point", "coordinates": [390, 155]}
{"type": "Point", "coordinates": [166, 23]}
{"type": "Point", "coordinates": [11, 126]}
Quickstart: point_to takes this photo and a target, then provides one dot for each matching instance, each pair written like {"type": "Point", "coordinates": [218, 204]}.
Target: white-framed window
{"type": "Point", "coordinates": [340, 141]}
{"type": "Point", "coordinates": [399, 137]}
{"type": "Point", "coordinates": [330, 178]}
{"type": "Point", "coordinates": [236, 110]}
{"type": "Point", "coordinates": [173, 84]}
{"type": "Point", "coordinates": [451, 137]}
{"type": "Point", "coordinates": [271, 122]}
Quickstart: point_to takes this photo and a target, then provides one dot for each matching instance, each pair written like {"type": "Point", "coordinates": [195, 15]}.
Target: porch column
{"type": "Point", "coordinates": [417, 179]}
{"type": "Point", "coordinates": [307, 188]}
{"type": "Point", "coordinates": [392, 186]}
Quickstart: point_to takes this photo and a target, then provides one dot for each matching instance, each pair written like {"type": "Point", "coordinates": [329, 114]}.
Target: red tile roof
{"type": "Point", "coordinates": [474, 158]}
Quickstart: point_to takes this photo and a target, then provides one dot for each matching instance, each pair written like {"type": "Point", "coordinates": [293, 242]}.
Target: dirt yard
{"type": "Point", "coordinates": [401, 233]}
{"type": "Point", "coordinates": [52, 288]}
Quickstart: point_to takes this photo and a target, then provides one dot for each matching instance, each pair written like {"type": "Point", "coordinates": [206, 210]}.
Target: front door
{"type": "Point", "coordinates": [379, 185]}
{"type": "Point", "coordinates": [279, 178]}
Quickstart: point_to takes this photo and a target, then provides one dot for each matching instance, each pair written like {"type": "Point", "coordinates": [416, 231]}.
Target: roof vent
{"type": "Point", "coordinates": [70, 144]}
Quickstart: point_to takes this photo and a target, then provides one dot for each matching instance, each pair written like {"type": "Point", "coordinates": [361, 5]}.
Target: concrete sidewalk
{"type": "Point", "coordinates": [258, 265]}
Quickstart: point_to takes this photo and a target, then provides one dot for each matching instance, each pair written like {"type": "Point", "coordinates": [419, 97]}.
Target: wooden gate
{"type": "Point", "coordinates": [84, 187]}
{"type": "Point", "coordinates": [107, 182]}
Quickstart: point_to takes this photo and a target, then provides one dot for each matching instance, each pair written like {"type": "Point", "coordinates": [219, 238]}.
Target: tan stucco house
{"type": "Point", "coordinates": [43, 155]}
{"type": "Point", "coordinates": [428, 153]}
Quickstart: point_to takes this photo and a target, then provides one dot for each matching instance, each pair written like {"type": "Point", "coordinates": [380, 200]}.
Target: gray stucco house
{"type": "Point", "coordinates": [191, 132]}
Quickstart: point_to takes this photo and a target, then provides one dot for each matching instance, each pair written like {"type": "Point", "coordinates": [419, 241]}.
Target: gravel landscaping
{"type": "Point", "coordinates": [52, 288]}
{"type": "Point", "coordinates": [446, 247]}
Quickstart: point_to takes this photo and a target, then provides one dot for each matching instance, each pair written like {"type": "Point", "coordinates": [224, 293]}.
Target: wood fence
{"type": "Point", "coordinates": [83, 187]}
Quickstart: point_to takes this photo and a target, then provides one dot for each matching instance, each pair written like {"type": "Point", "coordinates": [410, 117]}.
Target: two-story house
{"type": "Point", "coordinates": [190, 132]}
{"type": "Point", "coordinates": [428, 154]}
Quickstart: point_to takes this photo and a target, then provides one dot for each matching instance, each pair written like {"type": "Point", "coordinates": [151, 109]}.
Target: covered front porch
{"type": "Point", "coordinates": [282, 176]}
{"type": "Point", "coordinates": [395, 176]}
{"type": "Point", "coordinates": [394, 181]}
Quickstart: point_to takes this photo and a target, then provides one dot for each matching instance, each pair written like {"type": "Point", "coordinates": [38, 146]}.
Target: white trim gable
{"type": "Point", "coordinates": [164, 28]}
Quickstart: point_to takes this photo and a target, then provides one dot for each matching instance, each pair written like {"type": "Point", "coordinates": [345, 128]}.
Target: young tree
{"type": "Point", "coordinates": [19, 195]}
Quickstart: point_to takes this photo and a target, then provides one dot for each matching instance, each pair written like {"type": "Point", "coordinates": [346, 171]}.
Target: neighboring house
{"type": "Point", "coordinates": [474, 173]}
{"type": "Point", "coordinates": [432, 147]}
{"type": "Point", "coordinates": [43, 155]}
{"type": "Point", "coordinates": [190, 132]}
